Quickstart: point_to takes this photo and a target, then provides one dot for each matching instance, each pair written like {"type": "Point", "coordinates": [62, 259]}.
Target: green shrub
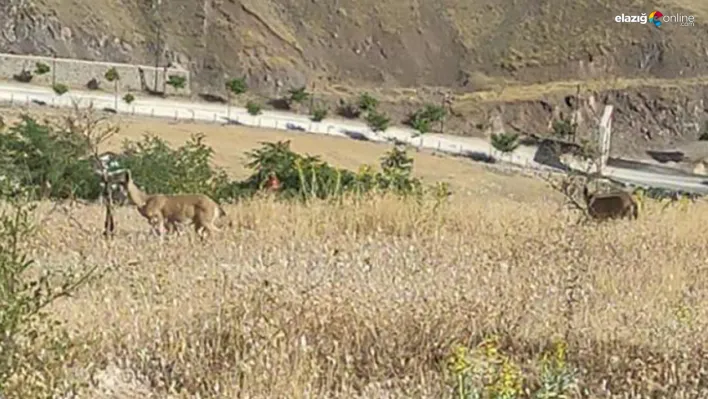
{"type": "Point", "coordinates": [377, 121]}
{"type": "Point", "coordinates": [37, 155]}
{"type": "Point", "coordinates": [420, 124]}
{"type": "Point", "coordinates": [177, 81]}
{"type": "Point", "coordinates": [60, 88]}
{"type": "Point", "coordinates": [319, 114]}
{"type": "Point", "coordinates": [35, 348]}
{"type": "Point", "coordinates": [157, 168]}
{"type": "Point", "coordinates": [564, 128]}
{"type": "Point", "coordinates": [112, 75]}
{"type": "Point", "coordinates": [305, 176]}
{"type": "Point", "coordinates": [128, 98]}
{"type": "Point", "coordinates": [41, 68]}
{"type": "Point", "coordinates": [254, 108]}
{"type": "Point", "coordinates": [34, 156]}
{"type": "Point", "coordinates": [505, 142]}
{"type": "Point", "coordinates": [422, 119]}
{"type": "Point", "coordinates": [298, 95]}
{"type": "Point", "coordinates": [237, 86]}
{"type": "Point", "coordinates": [368, 103]}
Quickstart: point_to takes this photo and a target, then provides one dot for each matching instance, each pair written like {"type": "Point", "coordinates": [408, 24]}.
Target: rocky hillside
{"type": "Point", "coordinates": [479, 46]}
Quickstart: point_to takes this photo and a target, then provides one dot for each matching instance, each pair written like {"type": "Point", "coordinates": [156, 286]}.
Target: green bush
{"type": "Point", "coordinates": [319, 114]}
{"type": "Point", "coordinates": [564, 128]}
{"type": "Point", "coordinates": [38, 155]}
{"type": "Point", "coordinates": [254, 108]}
{"type": "Point", "coordinates": [298, 95]}
{"type": "Point", "coordinates": [420, 124]}
{"type": "Point", "coordinates": [60, 88]}
{"type": "Point", "coordinates": [305, 176]}
{"type": "Point", "coordinates": [237, 86]}
{"type": "Point", "coordinates": [368, 103]}
{"type": "Point", "coordinates": [41, 68]}
{"type": "Point", "coordinates": [128, 98]}
{"type": "Point", "coordinates": [505, 142]}
{"type": "Point", "coordinates": [377, 121]}
{"type": "Point", "coordinates": [422, 119]}
{"type": "Point", "coordinates": [157, 168]}
{"type": "Point", "coordinates": [177, 82]}
{"type": "Point", "coordinates": [35, 348]}
{"type": "Point", "coordinates": [34, 156]}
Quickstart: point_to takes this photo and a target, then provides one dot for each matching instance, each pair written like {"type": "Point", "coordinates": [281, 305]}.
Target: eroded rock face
{"type": "Point", "coordinates": [642, 118]}
{"type": "Point", "coordinates": [293, 43]}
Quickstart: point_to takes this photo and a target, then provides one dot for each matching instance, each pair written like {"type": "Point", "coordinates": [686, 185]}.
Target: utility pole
{"type": "Point", "coordinates": [158, 45]}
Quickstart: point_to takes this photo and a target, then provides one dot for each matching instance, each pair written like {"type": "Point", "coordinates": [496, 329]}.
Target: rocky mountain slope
{"type": "Point", "coordinates": [507, 55]}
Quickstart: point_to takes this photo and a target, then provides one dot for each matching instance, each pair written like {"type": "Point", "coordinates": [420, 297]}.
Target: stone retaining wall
{"type": "Point", "coordinates": [77, 73]}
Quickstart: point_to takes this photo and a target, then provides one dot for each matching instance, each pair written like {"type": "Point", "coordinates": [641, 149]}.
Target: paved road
{"type": "Point", "coordinates": [474, 148]}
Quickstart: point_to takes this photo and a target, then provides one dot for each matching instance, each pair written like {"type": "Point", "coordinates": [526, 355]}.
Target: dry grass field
{"type": "Point", "coordinates": [366, 299]}
{"type": "Point", "coordinates": [370, 298]}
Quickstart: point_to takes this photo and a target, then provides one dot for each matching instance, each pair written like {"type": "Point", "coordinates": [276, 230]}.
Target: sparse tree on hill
{"type": "Point", "coordinates": [319, 114]}
{"type": "Point", "coordinates": [298, 95]}
{"type": "Point", "coordinates": [368, 103]}
{"type": "Point", "coordinates": [505, 143]}
{"type": "Point", "coordinates": [113, 76]}
{"type": "Point", "coordinates": [235, 86]}
{"type": "Point", "coordinates": [421, 125]}
{"type": "Point", "coordinates": [377, 121]}
{"type": "Point", "coordinates": [128, 98]}
{"type": "Point", "coordinates": [423, 119]}
{"type": "Point", "coordinates": [41, 68]}
{"type": "Point", "coordinates": [177, 82]}
{"type": "Point", "coordinates": [253, 108]}
{"type": "Point", "coordinates": [60, 89]}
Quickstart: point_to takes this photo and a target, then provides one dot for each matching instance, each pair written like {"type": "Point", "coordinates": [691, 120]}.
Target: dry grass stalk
{"type": "Point", "coordinates": [365, 299]}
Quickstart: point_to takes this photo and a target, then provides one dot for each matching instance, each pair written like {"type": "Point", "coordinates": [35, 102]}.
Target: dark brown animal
{"type": "Point", "coordinates": [614, 205]}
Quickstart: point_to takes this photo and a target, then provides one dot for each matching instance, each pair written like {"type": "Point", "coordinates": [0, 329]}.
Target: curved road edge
{"type": "Point", "coordinates": [471, 147]}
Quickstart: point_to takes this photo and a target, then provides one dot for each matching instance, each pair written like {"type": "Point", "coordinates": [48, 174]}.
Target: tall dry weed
{"type": "Point", "coordinates": [368, 298]}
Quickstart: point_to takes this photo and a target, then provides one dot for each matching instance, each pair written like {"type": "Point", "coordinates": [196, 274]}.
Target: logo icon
{"type": "Point", "coordinates": [655, 18]}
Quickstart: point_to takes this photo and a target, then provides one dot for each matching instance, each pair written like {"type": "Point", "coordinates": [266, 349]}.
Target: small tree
{"type": "Point", "coordinates": [565, 128]}
{"type": "Point", "coordinates": [41, 68]}
{"type": "Point", "coordinates": [177, 82]}
{"type": "Point", "coordinates": [253, 108]}
{"type": "Point", "coordinates": [60, 88]}
{"type": "Point", "coordinates": [113, 76]}
{"type": "Point", "coordinates": [235, 86]}
{"type": "Point", "coordinates": [377, 121]}
{"type": "Point", "coordinates": [435, 113]}
{"type": "Point", "coordinates": [298, 95]}
{"type": "Point", "coordinates": [368, 103]}
{"type": "Point", "coordinates": [505, 142]}
{"type": "Point", "coordinates": [319, 114]}
{"type": "Point", "coordinates": [423, 119]}
{"type": "Point", "coordinates": [421, 125]}
{"type": "Point", "coordinates": [128, 98]}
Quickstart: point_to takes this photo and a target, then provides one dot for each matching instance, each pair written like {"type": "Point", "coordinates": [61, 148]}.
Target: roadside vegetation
{"type": "Point", "coordinates": [334, 282]}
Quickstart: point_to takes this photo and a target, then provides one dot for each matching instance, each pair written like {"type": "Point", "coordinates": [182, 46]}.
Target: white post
{"type": "Point", "coordinates": [605, 137]}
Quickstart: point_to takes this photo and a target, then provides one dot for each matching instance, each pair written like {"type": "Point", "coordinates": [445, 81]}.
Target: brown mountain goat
{"type": "Point", "coordinates": [614, 205]}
